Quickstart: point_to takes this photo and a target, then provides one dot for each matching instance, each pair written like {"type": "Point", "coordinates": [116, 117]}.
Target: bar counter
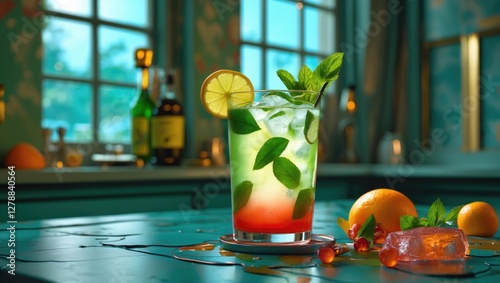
{"type": "Point", "coordinates": [183, 246]}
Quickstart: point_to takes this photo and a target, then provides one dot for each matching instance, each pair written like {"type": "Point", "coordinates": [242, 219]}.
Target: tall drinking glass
{"type": "Point", "coordinates": [273, 147]}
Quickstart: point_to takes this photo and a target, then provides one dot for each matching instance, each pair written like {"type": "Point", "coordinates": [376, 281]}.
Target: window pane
{"type": "Point", "coordinates": [319, 30]}
{"type": "Point", "coordinates": [312, 61]}
{"type": "Point", "coordinates": [130, 12]}
{"type": "Point", "coordinates": [114, 113]}
{"type": "Point", "coordinates": [116, 53]}
{"type": "Point", "coordinates": [324, 3]}
{"type": "Point", "coordinates": [251, 20]}
{"type": "Point", "coordinates": [251, 64]}
{"type": "Point", "coordinates": [75, 7]}
{"type": "Point", "coordinates": [67, 48]}
{"type": "Point", "coordinates": [68, 105]}
{"type": "Point", "coordinates": [276, 60]}
{"type": "Point", "coordinates": [282, 24]}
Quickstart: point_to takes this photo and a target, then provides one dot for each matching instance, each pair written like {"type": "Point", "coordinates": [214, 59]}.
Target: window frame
{"type": "Point", "coordinates": [95, 82]}
{"type": "Point", "coordinates": [264, 46]}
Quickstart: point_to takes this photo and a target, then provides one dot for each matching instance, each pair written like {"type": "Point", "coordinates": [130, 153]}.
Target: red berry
{"type": "Point", "coordinates": [379, 234]}
{"type": "Point", "coordinates": [326, 254]}
{"type": "Point", "coordinates": [353, 231]}
{"type": "Point", "coordinates": [361, 244]}
{"type": "Point", "coordinates": [389, 256]}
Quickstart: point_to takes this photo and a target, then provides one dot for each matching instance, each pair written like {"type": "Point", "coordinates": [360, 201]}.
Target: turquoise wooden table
{"type": "Point", "coordinates": [183, 246]}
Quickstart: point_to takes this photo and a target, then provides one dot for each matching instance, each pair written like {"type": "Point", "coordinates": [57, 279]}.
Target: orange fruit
{"type": "Point", "coordinates": [386, 205]}
{"type": "Point", "coordinates": [478, 219]}
{"type": "Point", "coordinates": [217, 87]}
{"type": "Point", "coordinates": [25, 156]}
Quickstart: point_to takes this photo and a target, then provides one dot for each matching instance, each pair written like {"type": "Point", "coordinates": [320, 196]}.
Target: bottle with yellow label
{"type": "Point", "coordinates": [168, 128]}
{"type": "Point", "coordinates": [142, 109]}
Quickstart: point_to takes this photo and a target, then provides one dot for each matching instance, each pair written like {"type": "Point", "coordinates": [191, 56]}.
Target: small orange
{"type": "Point", "coordinates": [386, 205]}
{"type": "Point", "coordinates": [478, 219]}
{"type": "Point", "coordinates": [25, 156]}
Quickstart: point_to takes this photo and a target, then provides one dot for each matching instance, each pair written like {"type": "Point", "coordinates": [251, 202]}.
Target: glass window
{"type": "Point", "coordinates": [89, 75]}
{"type": "Point", "coordinates": [284, 34]}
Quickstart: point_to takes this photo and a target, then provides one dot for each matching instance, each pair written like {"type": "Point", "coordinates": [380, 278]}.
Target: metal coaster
{"type": "Point", "coordinates": [317, 241]}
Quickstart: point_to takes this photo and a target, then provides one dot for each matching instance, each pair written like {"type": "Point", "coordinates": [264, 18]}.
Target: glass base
{"type": "Point", "coordinates": [267, 238]}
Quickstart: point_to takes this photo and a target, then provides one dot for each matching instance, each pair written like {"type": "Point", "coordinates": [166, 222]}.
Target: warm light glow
{"type": "Point", "coordinates": [300, 5]}
{"type": "Point", "coordinates": [59, 164]}
{"type": "Point", "coordinates": [396, 146]}
{"type": "Point", "coordinates": [351, 106]}
{"type": "Point", "coordinates": [140, 54]}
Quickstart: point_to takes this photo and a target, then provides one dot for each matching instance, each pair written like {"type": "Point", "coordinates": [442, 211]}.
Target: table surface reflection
{"type": "Point", "coordinates": [144, 248]}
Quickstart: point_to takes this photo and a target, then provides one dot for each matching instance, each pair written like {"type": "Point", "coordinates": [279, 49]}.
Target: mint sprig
{"type": "Point", "coordinates": [436, 217]}
{"type": "Point", "coordinates": [368, 229]}
{"type": "Point", "coordinates": [318, 80]}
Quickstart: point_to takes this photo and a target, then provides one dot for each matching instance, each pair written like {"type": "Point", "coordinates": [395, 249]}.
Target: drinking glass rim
{"type": "Point", "coordinates": [272, 90]}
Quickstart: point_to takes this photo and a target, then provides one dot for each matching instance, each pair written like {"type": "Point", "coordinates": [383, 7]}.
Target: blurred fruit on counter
{"type": "Point", "coordinates": [478, 218]}
{"type": "Point", "coordinates": [25, 156]}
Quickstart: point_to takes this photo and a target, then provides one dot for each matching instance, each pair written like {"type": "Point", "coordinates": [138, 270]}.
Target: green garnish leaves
{"type": "Point", "coordinates": [242, 122]}
{"type": "Point", "coordinates": [271, 150]}
{"type": "Point", "coordinates": [453, 214]}
{"type": "Point", "coordinates": [409, 221]}
{"type": "Point", "coordinates": [436, 216]}
{"type": "Point", "coordinates": [287, 78]}
{"type": "Point", "coordinates": [328, 70]}
{"type": "Point", "coordinates": [304, 201]}
{"type": "Point", "coordinates": [368, 229]}
{"type": "Point", "coordinates": [241, 195]}
{"type": "Point", "coordinates": [318, 80]}
{"type": "Point", "coordinates": [308, 80]}
{"type": "Point", "coordinates": [436, 213]}
{"type": "Point", "coordinates": [286, 172]}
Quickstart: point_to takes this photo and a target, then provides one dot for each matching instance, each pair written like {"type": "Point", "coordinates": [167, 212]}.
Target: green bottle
{"type": "Point", "coordinates": [142, 109]}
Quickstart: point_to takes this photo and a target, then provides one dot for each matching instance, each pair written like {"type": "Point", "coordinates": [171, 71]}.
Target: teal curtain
{"type": "Point", "coordinates": [385, 71]}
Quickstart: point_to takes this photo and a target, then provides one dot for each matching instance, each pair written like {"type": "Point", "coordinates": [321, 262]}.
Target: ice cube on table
{"type": "Point", "coordinates": [426, 243]}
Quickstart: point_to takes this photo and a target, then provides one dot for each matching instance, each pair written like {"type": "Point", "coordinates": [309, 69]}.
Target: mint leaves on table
{"type": "Point", "coordinates": [318, 80]}
{"type": "Point", "coordinates": [269, 151]}
{"type": "Point", "coordinates": [436, 216]}
{"type": "Point", "coordinates": [368, 228]}
{"type": "Point", "coordinates": [241, 194]}
{"type": "Point", "coordinates": [242, 121]}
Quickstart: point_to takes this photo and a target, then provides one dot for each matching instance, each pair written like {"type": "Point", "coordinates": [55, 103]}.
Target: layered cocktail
{"type": "Point", "coordinates": [273, 145]}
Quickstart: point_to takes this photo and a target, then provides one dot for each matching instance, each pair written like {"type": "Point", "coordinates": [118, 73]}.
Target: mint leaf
{"type": "Point", "coordinates": [286, 172]}
{"type": "Point", "coordinates": [242, 122]}
{"type": "Point", "coordinates": [287, 79]}
{"type": "Point", "coordinates": [453, 214]}
{"type": "Point", "coordinates": [241, 195]}
{"type": "Point", "coordinates": [304, 201]}
{"type": "Point", "coordinates": [328, 70]}
{"type": "Point", "coordinates": [269, 151]}
{"type": "Point", "coordinates": [436, 213]}
{"type": "Point", "coordinates": [308, 79]}
{"type": "Point", "coordinates": [409, 222]}
{"type": "Point", "coordinates": [368, 229]}
{"type": "Point", "coordinates": [277, 114]}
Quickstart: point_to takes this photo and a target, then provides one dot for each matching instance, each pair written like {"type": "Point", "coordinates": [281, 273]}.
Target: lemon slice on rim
{"type": "Point", "coordinates": [219, 85]}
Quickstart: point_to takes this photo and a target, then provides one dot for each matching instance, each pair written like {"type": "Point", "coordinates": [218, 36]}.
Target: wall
{"type": "Point", "coordinates": [445, 25]}
{"type": "Point", "coordinates": [20, 65]}
{"type": "Point", "coordinates": [206, 38]}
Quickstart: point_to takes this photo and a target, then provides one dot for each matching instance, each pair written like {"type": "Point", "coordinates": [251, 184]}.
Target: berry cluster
{"type": "Point", "coordinates": [363, 243]}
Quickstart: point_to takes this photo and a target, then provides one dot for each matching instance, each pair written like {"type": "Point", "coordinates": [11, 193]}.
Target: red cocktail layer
{"type": "Point", "coordinates": [275, 220]}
